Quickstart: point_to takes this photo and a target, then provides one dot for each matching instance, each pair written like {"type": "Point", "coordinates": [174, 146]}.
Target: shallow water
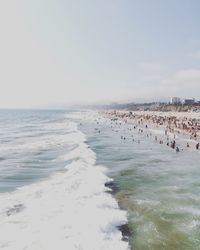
{"type": "Point", "coordinates": [53, 169]}
{"type": "Point", "coordinates": [157, 186]}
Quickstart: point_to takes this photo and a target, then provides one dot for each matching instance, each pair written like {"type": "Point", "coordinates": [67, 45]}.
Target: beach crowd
{"type": "Point", "coordinates": [173, 127]}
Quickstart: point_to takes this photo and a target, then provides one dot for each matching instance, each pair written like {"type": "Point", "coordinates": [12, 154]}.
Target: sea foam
{"type": "Point", "coordinates": [70, 210]}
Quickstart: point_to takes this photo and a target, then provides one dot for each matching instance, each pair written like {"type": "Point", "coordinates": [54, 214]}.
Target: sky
{"type": "Point", "coordinates": [62, 52]}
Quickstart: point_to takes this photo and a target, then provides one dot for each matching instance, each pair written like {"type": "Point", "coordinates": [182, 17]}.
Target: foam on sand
{"type": "Point", "coordinates": [70, 210]}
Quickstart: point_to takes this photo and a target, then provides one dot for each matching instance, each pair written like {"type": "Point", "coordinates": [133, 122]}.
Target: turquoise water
{"type": "Point", "coordinates": [157, 186]}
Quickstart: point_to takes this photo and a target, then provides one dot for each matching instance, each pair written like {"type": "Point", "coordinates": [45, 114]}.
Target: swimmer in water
{"type": "Point", "coordinates": [173, 144]}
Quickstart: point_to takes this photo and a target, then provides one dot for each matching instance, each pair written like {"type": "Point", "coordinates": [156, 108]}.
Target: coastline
{"type": "Point", "coordinates": [179, 130]}
{"type": "Point", "coordinates": [155, 184]}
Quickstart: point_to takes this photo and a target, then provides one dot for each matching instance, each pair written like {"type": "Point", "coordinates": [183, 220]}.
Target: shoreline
{"type": "Point", "coordinates": [178, 130]}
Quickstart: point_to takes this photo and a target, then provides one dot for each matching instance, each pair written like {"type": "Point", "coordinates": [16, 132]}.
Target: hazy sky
{"type": "Point", "coordinates": [55, 52]}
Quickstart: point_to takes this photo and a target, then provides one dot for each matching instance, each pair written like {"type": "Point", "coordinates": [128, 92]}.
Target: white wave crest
{"type": "Point", "coordinates": [71, 210]}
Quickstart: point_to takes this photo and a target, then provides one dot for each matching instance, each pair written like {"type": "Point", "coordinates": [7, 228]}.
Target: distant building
{"type": "Point", "coordinates": [189, 101]}
{"type": "Point", "coordinates": [175, 100]}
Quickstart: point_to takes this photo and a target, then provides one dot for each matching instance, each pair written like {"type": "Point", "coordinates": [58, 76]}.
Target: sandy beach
{"type": "Point", "coordinates": [179, 130]}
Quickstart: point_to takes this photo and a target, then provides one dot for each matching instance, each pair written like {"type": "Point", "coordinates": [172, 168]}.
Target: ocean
{"type": "Point", "coordinates": [69, 181]}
